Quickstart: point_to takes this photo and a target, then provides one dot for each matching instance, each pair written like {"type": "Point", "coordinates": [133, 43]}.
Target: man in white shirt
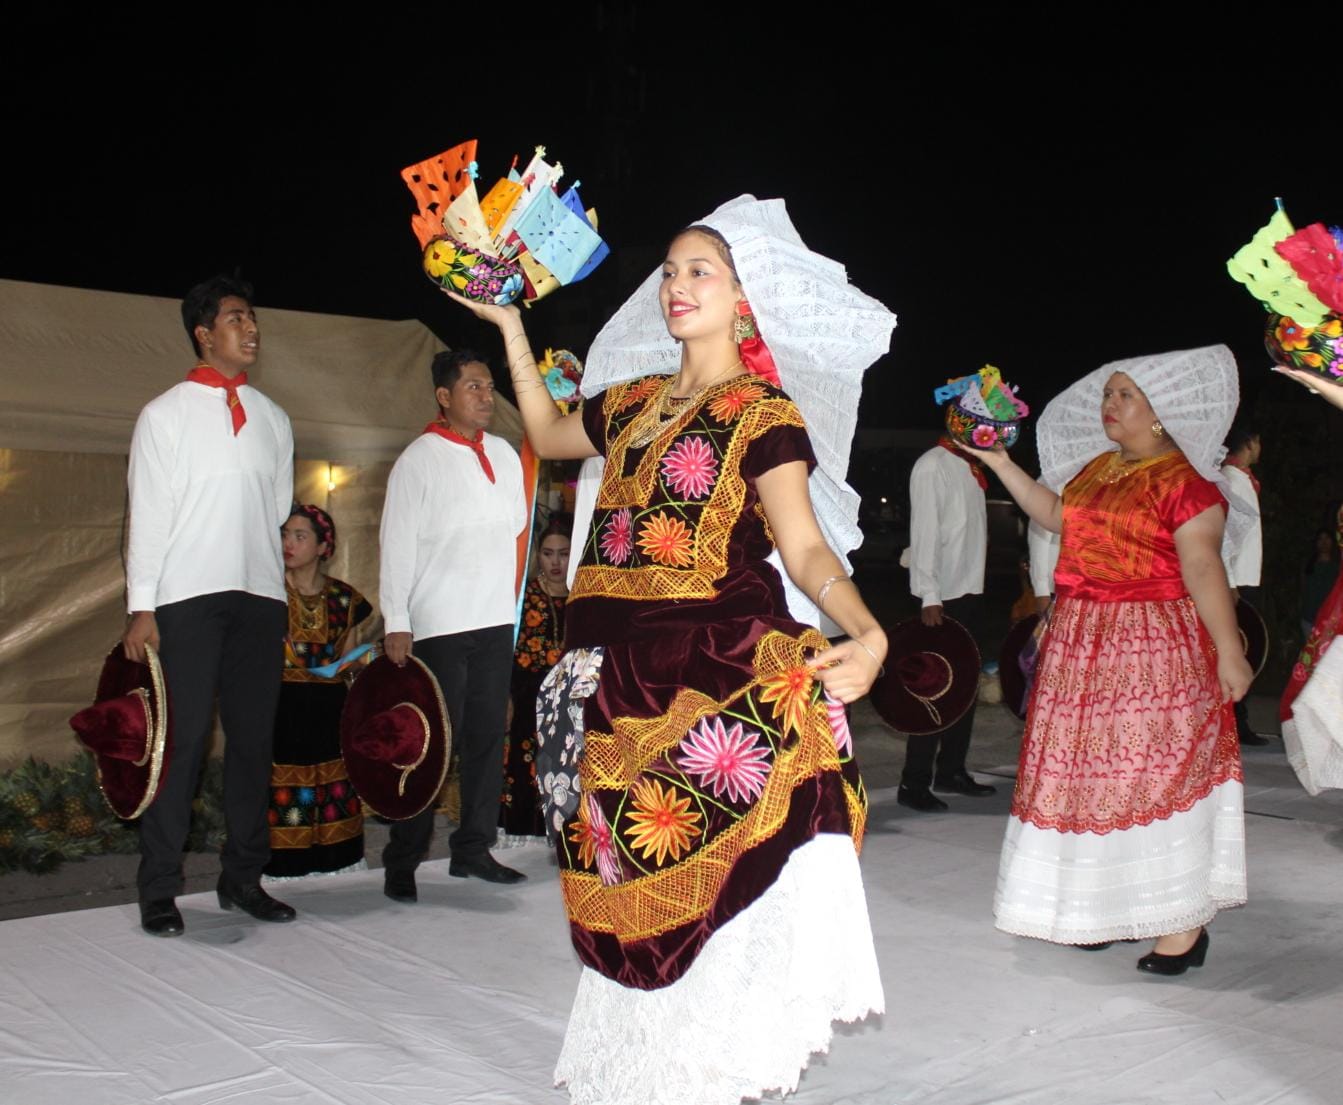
{"type": "Point", "coordinates": [450, 523]}
{"type": "Point", "coordinates": [948, 542]}
{"type": "Point", "coordinates": [1244, 559]}
{"type": "Point", "coordinates": [211, 482]}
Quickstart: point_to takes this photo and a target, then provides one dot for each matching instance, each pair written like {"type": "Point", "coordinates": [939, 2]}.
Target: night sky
{"type": "Point", "coordinates": [1042, 192]}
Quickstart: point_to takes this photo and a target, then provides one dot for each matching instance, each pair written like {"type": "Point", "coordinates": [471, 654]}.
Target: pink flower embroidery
{"type": "Point", "coordinates": [690, 467]}
{"type": "Point", "coordinates": [726, 759]}
{"type": "Point", "coordinates": [839, 725]}
{"type": "Point", "coordinates": [984, 436]}
{"type": "Point", "coordinates": [618, 537]}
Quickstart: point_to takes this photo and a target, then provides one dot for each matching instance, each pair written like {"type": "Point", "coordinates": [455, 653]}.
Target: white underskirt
{"type": "Point", "coordinates": [758, 1001]}
{"type": "Point", "coordinates": [1085, 888]}
{"type": "Point", "coordinates": [1313, 736]}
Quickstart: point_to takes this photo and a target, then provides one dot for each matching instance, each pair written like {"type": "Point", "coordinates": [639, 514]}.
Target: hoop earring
{"type": "Point", "coordinates": [1158, 430]}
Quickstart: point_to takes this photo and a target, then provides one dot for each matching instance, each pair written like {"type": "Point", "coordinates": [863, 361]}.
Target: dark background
{"type": "Point", "coordinates": [1043, 188]}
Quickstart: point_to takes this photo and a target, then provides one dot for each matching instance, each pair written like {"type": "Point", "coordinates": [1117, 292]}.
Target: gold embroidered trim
{"type": "Point", "coordinates": [712, 530]}
{"type": "Point", "coordinates": [652, 904]}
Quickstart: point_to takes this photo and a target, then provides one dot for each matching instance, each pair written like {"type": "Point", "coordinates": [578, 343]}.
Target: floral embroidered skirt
{"type": "Point", "coordinates": [316, 819]}
{"type": "Point", "coordinates": [1127, 818]}
{"type": "Point", "coordinates": [688, 799]}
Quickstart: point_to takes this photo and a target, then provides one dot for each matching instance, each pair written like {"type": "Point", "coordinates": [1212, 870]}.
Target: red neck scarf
{"type": "Point", "coordinates": [476, 444]}
{"type": "Point", "coordinates": [976, 469]}
{"type": "Point", "coordinates": [211, 377]}
{"type": "Point", "coordinates": [1254, 480]}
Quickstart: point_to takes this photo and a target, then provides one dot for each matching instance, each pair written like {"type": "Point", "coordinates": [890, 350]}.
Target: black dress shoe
{"type": "Point", "coordinates": [964, 783]}
{"type": "Point", "coordinates": [1156, 964]}
{"type": "Point", "coordinates": [921, 799]}
{"type": "Point", "coordinates": [400, 886]}
{"type": "Point", "coordinates": [252, 899]}
{"type": "Point", "coordinates": [160, 918]}
{"type": "Point", "coordinates": [483, 866]}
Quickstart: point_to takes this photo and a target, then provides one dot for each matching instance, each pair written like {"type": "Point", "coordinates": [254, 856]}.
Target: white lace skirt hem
{"type": "Point", "coordinates": [1085, 888]}
{"type": "Point", "coordinates": [1313, 736]}
{"type": "Point", "coordinates": [758, 1001]}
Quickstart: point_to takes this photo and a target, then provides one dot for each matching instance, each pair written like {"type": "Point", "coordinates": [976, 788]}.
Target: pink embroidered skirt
{"type": "Point", "coordinates": [1127, 817]}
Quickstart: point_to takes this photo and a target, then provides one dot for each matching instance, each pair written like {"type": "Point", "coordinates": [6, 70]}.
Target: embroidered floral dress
{"type": "Point", "coordinates": [540, 644]}
{"type": "Point", "coordinates": [1127, 815]}
{"type": "Point", "coordinates": [710, 759]}
{"type": "Point", "coordinates": [1312, 722]}
{"type": "Point", "coordinates": [316, 821]}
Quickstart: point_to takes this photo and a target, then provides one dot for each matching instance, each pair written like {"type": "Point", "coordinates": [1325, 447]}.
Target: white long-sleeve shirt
{"type": "Point", "coordinates": [948, 529]}
{"type": "Point", "coordinates": [1042, 549]}
{"type": "Point", "coordinates": [206, 507]}
{"type": "Point", "coordinates": [449, 538]}
{"type": "Point", "coordinates": [1245, 562]}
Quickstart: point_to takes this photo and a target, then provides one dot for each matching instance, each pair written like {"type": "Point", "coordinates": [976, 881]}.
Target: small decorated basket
{"type": "Point", "coordinates": [1298, 276]}
{"type": "Point", "coordinates": [986, 411]}
{"type": "Point", "coordinates": [521, 240]}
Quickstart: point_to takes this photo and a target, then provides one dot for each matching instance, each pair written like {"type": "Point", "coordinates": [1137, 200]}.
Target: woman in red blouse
{"type": "Point", "coordinates": [1127, 817]}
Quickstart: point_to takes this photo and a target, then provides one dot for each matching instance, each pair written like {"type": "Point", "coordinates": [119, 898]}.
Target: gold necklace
{"type": "Point", "coordinates": [666, 411]}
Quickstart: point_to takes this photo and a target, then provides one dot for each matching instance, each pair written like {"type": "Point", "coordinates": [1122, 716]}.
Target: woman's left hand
{"type": "Point", "coordinates": [848, 670]}
{"type": "Point", "coordinates": [1234, 674]}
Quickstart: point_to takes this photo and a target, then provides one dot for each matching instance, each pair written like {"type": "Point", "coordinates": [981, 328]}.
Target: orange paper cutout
{"type": "Point", "coordinates": [435, 183]}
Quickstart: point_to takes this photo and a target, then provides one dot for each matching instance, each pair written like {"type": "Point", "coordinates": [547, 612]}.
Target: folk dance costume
{"type": "Point", "coordinates": [210, 479]}
{"type": "Point", "coordinates": [948, 534]}
{"type": "Point", "coordinates": [708, 832]}
{"type": "Point", "coordinates": [450, 523]}
{"type": "Point", "coordinates": [540, 645]}
{"type": "Point", "coordinates": [1312, 705]}
{"type": "Point", "coordinates": [1127, 818]}
{"type": "Point", "coordinates": [316, 820]}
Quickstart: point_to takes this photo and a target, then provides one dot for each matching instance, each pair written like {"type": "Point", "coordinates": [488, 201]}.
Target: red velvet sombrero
{"type": "Point", "coordinates": [395, 737]}
{"type": "Point", "coordinates": [932, 676]}
{"type": "Point", "coordinates": [1253, 635]}
{"type": "Point", "coordinates": [1010, 676]}
{"type": "Point", "coordinates": [126, 729]}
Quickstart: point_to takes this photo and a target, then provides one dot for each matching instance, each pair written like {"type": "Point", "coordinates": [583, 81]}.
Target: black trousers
{"type": "Point", "coordinates": [231, 644]}
{"type": "Point", "coordinates": [950, 746]}
{"type": "Point", "coordinates": [473, 669]}
{"type": "Point", "coordinates": [1242, 708]}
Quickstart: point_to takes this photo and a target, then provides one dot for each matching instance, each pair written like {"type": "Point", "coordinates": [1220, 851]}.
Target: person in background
{"type": "Point", "coordinates": [540, 644]}
{"type": "Point", "coordinates": [948, 543]}
{"type": "Point", "coordinates": [450, 523]}
{"type": "Point", "coordinates": [316, 823]}
{"type": "Point", "coordinates": [1243, 554]}
{"type": "Point", "coordinates": [211, 480]}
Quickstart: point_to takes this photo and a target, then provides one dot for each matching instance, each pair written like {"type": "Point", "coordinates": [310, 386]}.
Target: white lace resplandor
{"type": "Point", "coordinates": [1194, 393]}
{"type": "Point", "coordinates": [822, 331]}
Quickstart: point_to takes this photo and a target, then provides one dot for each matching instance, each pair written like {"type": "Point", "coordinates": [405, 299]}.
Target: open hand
{"type": "Point", "coordinates": [1312, 381]}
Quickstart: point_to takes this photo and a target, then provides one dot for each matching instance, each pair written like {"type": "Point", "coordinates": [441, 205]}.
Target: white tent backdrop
{"type": "Point", "coordinates": [76, 366]}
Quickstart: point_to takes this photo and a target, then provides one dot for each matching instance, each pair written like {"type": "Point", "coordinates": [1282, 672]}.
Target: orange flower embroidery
{"type": "Point", "coordinates": [666, 540]}
{"type": "Point", "coordinates": [662, 823]}
{"type": "Point", "coordinates": [639, 392]}
{"type": "Point", "coordinates": [790, 691]}
{"type": "Point", "coordinates": [728, 405]}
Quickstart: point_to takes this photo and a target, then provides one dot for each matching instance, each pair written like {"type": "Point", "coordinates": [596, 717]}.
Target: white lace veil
{"type": "Point", "coordinates": [823, 333]}
{"type": "Point", "coordinates": [1194, 392]}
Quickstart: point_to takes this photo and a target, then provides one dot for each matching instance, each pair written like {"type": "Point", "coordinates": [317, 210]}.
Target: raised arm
{"type": "Point", "coordinates": [1199, 545]}
{"type": "Point", "coordinates": [1041, 505]}
{"type": "Point", "coordinates": [554, 436]}
{"type": "Point", "coordinates": [848, 669]}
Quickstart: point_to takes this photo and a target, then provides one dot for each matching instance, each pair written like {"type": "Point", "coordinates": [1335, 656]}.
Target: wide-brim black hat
{"type": "Point", "coordinates": [932, 676]}
{"type": "Point", "coordinates": [1010, 676]}
{"type": "Point", "coordinates": [127, 730]}
{"type": "Point", "coordinates": [395, 737]}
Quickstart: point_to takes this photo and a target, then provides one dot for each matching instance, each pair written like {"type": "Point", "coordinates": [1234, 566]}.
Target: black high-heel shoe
{"type": "Point", "coordinates": [1156, 964]}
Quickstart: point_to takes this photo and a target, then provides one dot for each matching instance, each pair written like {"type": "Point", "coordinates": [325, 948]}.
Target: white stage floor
{"type": "Point", "coordinates": [463, 997]}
